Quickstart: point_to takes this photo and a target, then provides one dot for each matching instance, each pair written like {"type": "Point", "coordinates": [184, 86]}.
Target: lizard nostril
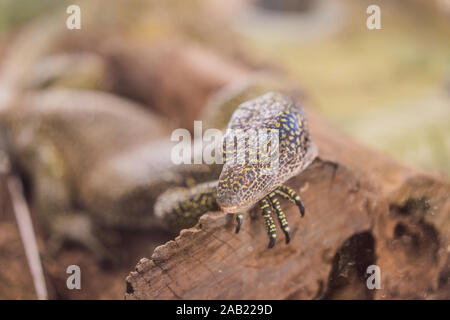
{"type": "Point", "coordinates": [226, 198]}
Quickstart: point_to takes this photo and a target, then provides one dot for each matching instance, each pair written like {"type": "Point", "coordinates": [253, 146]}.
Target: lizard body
{"type": "Point", "coordinates": [98, 163]}
{"type": "Point", "coordinates": [241, 185]}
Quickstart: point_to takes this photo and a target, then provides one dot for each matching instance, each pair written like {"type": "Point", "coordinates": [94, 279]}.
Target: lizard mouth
{"type": "Point", "coordinates": [229, 209]}
{"type": "Point", "coordinates": [235, 208]}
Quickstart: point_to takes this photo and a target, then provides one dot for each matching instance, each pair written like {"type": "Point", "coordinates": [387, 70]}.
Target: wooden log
{"type": "Point", "coordinates": [362, 209]}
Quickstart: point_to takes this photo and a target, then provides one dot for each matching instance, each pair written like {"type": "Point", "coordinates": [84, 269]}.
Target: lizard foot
{"type": "Point", "coordinates": [271, 202]}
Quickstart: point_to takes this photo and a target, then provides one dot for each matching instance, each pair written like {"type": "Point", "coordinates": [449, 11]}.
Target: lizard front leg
{"type": "Point", "coordinates": [289, 194]}
{"type": "Point", "coordinates": [280, 215]}
{"type": "Point", "coordinates": [266, 209]}
{"type": "Point", "coordinates": [182, 207]}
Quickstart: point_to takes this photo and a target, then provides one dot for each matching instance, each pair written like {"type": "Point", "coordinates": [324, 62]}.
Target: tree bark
{"type": "Point", "coordinates": [362, 209]}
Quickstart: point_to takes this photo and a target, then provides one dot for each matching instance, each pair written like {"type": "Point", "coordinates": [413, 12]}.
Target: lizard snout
{"type": "Point", "coordinates": [236, 191]}
{"type": "Point", "coordinates": [229, 202]}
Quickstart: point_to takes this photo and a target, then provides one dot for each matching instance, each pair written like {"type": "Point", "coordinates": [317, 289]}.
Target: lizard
{"type": "Point", "coordinates": [84, 187]}
{"type": "Point", "coordinates": [240, 186]}
{"type": "Point", "coordinates": [83, 194]}
{"type": "Point", "coordinates": [81, 184]}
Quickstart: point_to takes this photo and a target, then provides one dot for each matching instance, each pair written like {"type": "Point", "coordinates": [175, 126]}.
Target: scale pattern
{"type": "Point", "coordinates": [243, 182]}
{"type": "Point", "coordinates": [267, 141]}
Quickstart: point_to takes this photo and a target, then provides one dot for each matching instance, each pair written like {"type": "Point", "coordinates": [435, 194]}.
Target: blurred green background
{"type": "Point", "coordinates": [388, 88]}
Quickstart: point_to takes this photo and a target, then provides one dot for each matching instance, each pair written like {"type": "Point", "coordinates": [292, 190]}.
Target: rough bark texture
{"type": "Point", "coordinates": [362, 209]}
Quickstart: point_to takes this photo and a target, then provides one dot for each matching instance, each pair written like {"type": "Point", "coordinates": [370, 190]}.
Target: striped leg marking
{"type": "Point", "coordinates": [292, 196]}
{"type": "Point", "coordinates": [266, 209]}
{"type": "Point", "coordinates": [281, 216]}
{"type": "Point", "coordinates": [182, 207]}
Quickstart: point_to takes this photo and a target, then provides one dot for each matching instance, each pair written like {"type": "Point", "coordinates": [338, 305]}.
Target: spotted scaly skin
{"type": "Point", "coordinates": [185, 206]}
{"type": "Point", "coordinates": [242, 185]}
{"type": "Point", "coordinates": [244, 182]}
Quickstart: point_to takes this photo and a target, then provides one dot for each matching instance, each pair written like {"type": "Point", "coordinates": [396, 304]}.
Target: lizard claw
{"type": "Point", "coordinates": [287, 235]}
{"type": "Point", "coordinates": [271, 242]}
{"type": "Point", "coordinates": [239, 219]}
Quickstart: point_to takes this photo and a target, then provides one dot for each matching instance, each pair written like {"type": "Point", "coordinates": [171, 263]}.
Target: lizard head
{"type": "Point", "coordinates": [266, 143]}
{"type": "Point", "coordinates": [241, 186]}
